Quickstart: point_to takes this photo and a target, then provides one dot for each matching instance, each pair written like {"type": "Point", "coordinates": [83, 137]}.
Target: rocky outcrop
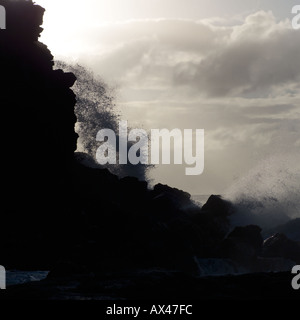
{"type": "Point", "coordinates": [279, 246]}
{"type": "Point", "coordinates": [213, 221]}
{"type": "Point", "coordinates": [39, 140]}
{"type": "Point", "coordinates": [291, 229]}
{"type": "Point", "coordinates": [177, 198]}
{"type": "Point", "coordinates": [243, 245]}
{"type": "Point", "coordinates": [217, 206]}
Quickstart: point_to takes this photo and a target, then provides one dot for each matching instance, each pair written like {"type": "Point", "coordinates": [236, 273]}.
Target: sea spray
{"type": "Point", "coordinates": [95, 110]}
{"type": "Point", "coordinates": [269, 195]}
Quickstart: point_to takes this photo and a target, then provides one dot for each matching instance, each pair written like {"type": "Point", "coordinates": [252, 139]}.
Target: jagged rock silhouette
{"type": "Point", "coordinates": [38, 119]}
{"type": "Point", "coordinates": [52, 204]}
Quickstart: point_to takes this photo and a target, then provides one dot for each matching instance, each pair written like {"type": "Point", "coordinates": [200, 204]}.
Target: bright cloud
{"type": "Point", "coordinates": [238, 80]}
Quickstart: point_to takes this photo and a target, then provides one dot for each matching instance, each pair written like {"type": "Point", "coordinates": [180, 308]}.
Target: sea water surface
{"type": "Point", "coordinates": [14, 277]}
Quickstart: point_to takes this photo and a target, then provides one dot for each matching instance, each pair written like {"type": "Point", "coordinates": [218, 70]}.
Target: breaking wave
{"type": "Point", "coordinates": [269, 195]}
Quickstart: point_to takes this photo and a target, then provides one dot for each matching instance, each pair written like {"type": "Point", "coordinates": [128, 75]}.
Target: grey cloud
{"type": "Point", "coordinates": [150, 48]}
{"type": "Point", "coordinates": [263, 56]}
{"type": "Point", "coordinates": [254, 58]}
{"type": "Point", "coordinates": [239, 82]}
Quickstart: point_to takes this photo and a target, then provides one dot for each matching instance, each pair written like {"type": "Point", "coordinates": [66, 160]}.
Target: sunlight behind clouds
{"type": "Point", "coordinates": [63, 22]}
{"type": "Point", "coordinates": [230, 68]}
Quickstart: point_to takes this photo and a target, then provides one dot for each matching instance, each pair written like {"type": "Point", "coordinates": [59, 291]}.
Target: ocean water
{"type": "Point", "coordinates": [14, 277]}
{"type": "Point", "coordinates": [200, 199]}
{"type": "Point", "coordinates": [218, 267]}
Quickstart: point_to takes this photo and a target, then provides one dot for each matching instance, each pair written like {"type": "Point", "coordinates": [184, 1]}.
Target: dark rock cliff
{"type": "Point", "coordinates": [38, 137]}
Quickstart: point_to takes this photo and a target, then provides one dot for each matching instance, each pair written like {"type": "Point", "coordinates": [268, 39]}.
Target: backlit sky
{"type": "Point", "coordinates": [230, 67]}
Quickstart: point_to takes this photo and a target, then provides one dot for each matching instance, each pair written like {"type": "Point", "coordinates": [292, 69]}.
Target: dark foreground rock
{"type": "Point", "coordinates": [291, 229]}
{"type": "Point", "coordinates": [243, 245]}
{"type": "Point", "coordinates": [280, 246]}
{"type": "Point", "coordinates": [39, 140]}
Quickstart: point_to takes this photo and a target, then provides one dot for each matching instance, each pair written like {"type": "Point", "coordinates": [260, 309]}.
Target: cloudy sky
{"type": "Point", "coordinates": [230, 67]}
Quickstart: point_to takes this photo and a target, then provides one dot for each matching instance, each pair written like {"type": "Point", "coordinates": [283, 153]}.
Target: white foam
{"type": "Point", "coordinates": [269, 194]}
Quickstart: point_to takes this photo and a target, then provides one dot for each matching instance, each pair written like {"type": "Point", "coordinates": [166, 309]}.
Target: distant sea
{"type": "Point", "coordinates": [200, 199]}
{"type": "Point", "coordinates": [14, 277]}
